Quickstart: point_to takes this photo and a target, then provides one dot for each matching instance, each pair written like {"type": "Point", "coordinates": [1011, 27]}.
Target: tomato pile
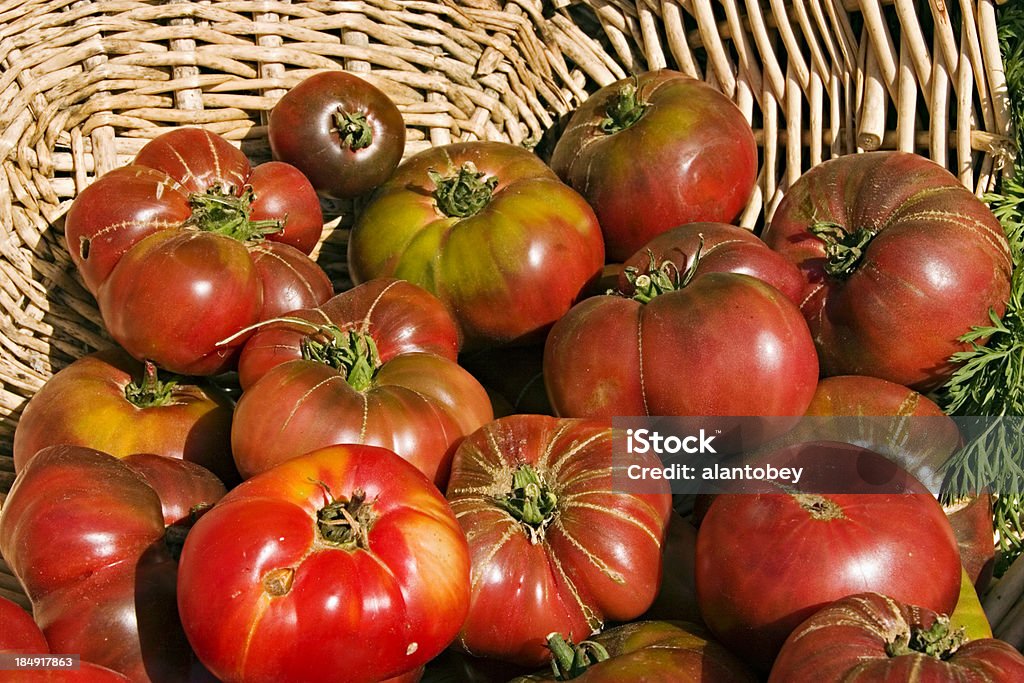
{"type": "Point", "coordinates": [416, 477]}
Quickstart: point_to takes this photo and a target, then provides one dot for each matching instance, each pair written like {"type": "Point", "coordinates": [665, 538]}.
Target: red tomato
{"type": "Point", "coordinates": [490, 230]}
{"type": "Point", "coordinates": [290, 280]}
{"type": "Point", "coordinates": [900, 261]}
{"type": "Point", "coordinates": [767, 561]}
{"type": "Point", "coordinates": [365, 369]}
{"type": "Point", "coordinates": [164, 243]}
{"type": "Point", "coordinates": [654, 151]}
{"type": "Point", "coordinates": [872, 638]}
{"type": "Point", "coordinates": [84, 533]}
{"type": "Point", "coordinates": [722, 344]}
{"type": "Point", "coordinates": [714, 248]}
{"type": "Point", "coordinates": [648, 651]}
{"type": "Point", "coordinates": [180, 485]}
{"type": "Point", "coordinates": [555, 544]}
{"type": "Point", "coordinates": [341, 131]}
{"type": "Point", "coordinates": [349, 541]}
{"type": "Point", "coordinates": [18, 631]}
{"type": "Point", "coordinates": [112, 403]}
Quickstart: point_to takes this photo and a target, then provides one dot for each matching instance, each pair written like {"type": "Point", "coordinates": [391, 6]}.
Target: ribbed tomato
{"type": "Point", "coordinates": [345, 564]}
{"type": "Point", "coordinates": [873, 638]}
{"type": "Point", "coordinates": [555, 544]}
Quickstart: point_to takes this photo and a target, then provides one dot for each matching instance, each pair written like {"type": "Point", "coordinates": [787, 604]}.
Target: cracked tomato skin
{"type": "Point", "coordinates": [508, 266]}
{"type": "Point", "coordinates": [595, 557]}
{"type": "Point", "coordinates": [850, 640]}
{"type": "Point", "coordinates": [267, 594]}
{"type": "Point", "coordinates": [935, 263]}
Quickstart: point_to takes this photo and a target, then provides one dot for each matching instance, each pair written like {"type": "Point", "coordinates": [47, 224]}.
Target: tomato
{"type": "Point", "coordinates": [340, 130]}
{"type": "Point", "coordinates": [714, 248]}
{"type": "Point", "coordinates": [167, 241]}
{"type": "Point", "coordinates": [18, 631]}
{"type": "Point", "coordinates": [654, 151]}
{"type": "Point", "coordinates": [85, 535]}
{"type": "Point", "coordinates": [555, 545]}
{"type": "Point", "coordinates": [343, 564]}
{"type": "Point", "coordinates": [110, 402]}
{"type": "Point", "coordinates": [900, 260]}
{"type": "Point", "coordinates": [649, 651]}
{"type": "Point", "coordinates": [881, 639]}
{"type": "Point", "coordinates": [685, 344]}
{"type": "Point", "coordinates": [365, 371]}
{"type": "Point", "coordinates": [184, 488]}
{"type": "Point", "coordinates": [767, 561]}
{"type": "Point", "coordinates": [490, 230]}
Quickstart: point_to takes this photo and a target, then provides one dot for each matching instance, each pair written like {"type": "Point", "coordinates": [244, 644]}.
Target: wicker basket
{"type": "Point", "coordinates": [84, 84]}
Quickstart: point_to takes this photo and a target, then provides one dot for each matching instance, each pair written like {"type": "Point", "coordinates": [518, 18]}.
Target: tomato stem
{"type": "Point", "coordinates": [464, 194]}
{"type": "Point", "coordinates": [354, 130]}
{"type": "Point", "coordinates": [569, 661]}
{"type": "Point", "coordinates": [346, 522]}
{"type": "Point", "coordinates": [819, 507]}
{"type": "Point", "coordinates": [150, 391]}
{"type": "Point", "coordinates": [220, 211]}
{"type": "Point", "coordinates": [624, 110]}
{"type": "Point", "coordinates": [530, 502]}
{"type": "Point", "coordinates": [843, 250]}
{"type": "Point", "coordinates": [350, 352]}
{"type": "Point", "coordinates": [940, 640]}
{"type": "Point", "coordinates": [657, 279]}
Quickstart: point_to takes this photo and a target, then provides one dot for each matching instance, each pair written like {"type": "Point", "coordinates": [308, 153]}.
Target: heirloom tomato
{"type": "Point", "coordinates": [873, 638]}
{"type": "Point", "coordinates": [166, 246]}
{"type": "Point", "coordinates": [18, 631]}
{"type": "Point", "coordinates": [113, 403]}
{"type": "Point", "coordinates": [85, 535]}
{"type": "Point", "coordinates": [490, 230]}
{"type": "Point", "coordinates": [648, 651]}
{"type": "Point", "coordinates": [340, 130]}
{"type": "Point", "coordinates": [767, 561]}
{"type": "Point", "coordinates": [345, 564]}
{"type": "Point", "coordinates": [374, 365]}
{"type": "Point", "coordinates": [900, 261]}
{"type": "Point", "coordinates": [683, 344]}
{"type": "Point", "coordinates": [714, 248]}
{"type": "Point", "coordinates": [654, 151]}
{"type": "Point", "coordinates": [557, 544]}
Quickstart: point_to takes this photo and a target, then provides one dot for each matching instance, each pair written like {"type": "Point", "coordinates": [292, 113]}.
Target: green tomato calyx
{"type": "Point", "coordinates": [569, 661]}
{"type": "Point", "coordinates": [530, 502]}
{"type": "Point", "coordinates": [150, 391]}
{"type": "Point", "coordinates": [223, 212]}
{"type": "Point", "coordinates": [350, 352]}
{"type": "Point", "coordinates": [843, 250]}
{"type": "Point", "coordinates": [463, 194]}
{"type": "Point", "coordinates": [353, 130]}
{"type": "Point", "coordinates": [658, 278]}
{"type": "Point", "coordinates": [625, 109]}
{"type": "Point", "coordinates": [345, 522]}
{"type": "Point", "coordinates": [940, 640]}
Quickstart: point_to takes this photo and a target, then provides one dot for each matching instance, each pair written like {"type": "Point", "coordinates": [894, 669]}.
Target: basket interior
{"type": "Point", "coordinates": [84, 84]}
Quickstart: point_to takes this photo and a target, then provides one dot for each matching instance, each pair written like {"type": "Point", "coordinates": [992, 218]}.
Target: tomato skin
{"type": "Point", "coordinates": [506, 272]}
{"type": "Point", "coordinates": [85, 536]}
{"type": "Point", "coordinates": [289, 279]}
{"type": "Point", "coordinates": [690, 157]}
{"type": "Point", "coordinates": [178, 483]}
{"type": "Point", "coordinates": [85, 404]}
{"type": "Point", "coordinates": [214, 280]}
{"type": "Point", "coordinates": [847, 641]}
{"type": "Point", "coordinates": [282, 190]}
{"type": "Point", "coordinates": [597, 559]}
{"type": "Point", "coordinates": [718, 248]}
{"type": "Point", "coordinates": [390, 605]}
{"type": "Point", "coordinates": [835, 544]}
{"type": "Point", "coordinates": [726, 344]}
{"type": "Point", "coordinates": [19, 632]}
{"type": "Point", "coordinates": [658, 652]}
{"type": "Point", "coordinates": [302, 132]}
{"type": "Point", "coordinates": [417, 401]}
{"type": "Point", "coordinates": [938, 262]}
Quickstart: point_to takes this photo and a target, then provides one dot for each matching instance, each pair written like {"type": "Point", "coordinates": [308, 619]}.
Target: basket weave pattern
{"type": "Point", "coordinates": [83, 85]}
